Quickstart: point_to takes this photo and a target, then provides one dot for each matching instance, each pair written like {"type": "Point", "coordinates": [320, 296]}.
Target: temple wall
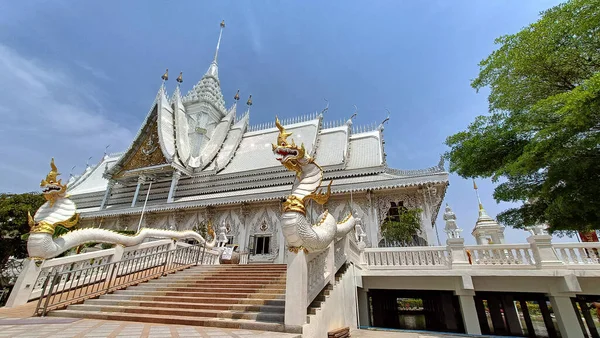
{"type": "Point", "coordinates": [245, 220]}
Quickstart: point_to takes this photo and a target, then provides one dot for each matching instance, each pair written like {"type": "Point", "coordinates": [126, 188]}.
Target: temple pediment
{"type": "Point", "coordinates": [148, 153]}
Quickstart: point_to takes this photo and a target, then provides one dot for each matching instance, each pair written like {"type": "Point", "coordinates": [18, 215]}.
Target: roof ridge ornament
{"type": "Point", "coordinates": [179, 78]}
{"type": "Point", "coordinates": [165, 76]}
{"type": "Point", "coordinates": [326, 108]}
{"type": "Point", "coordinates": [384, 121]}
{"type": "Point", "coordinates": [349, 121]}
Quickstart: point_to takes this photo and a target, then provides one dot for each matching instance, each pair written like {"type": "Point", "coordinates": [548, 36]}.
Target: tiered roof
{"type": "Point", "coordinates": [224, 161]}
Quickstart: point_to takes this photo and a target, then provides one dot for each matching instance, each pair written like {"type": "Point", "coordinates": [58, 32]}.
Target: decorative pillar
{"type": "Point", "coordinates": [456, 248]}
{"type": "Point", "coordinates": [469, 313]}
{"type": "Point", "coordinates": [107, 193]}
{"type": "Point", "coordinates": [245, 211]}
{"type": "Point", "coordinates": [568, 324]}
{"type": "Point", "coordinates": [543, 252]}
{"type": "Point", "coordinates": [141, 181]}
{"type": "Point", "coordinates": [363, 308]}
{"type": "Point", "coordinates": [296, 294]}
{"type": "Point", "coordinates": [174, 181]}
{"type": "Point", "coordinates": [373, 226]}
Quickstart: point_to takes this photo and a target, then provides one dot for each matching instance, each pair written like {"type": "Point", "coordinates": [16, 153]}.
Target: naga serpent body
{"type": "Point", "coordinates": [60, 210]}
{"type": "Point", "coordinates": [297, 230]}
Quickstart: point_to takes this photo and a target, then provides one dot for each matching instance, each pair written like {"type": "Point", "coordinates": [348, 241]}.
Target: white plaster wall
{"type": "Point", "coordinates": [338, 310]}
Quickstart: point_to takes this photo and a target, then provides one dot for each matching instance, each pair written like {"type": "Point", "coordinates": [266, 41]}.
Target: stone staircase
{"type": "Point", "coordinates": [248, 297]}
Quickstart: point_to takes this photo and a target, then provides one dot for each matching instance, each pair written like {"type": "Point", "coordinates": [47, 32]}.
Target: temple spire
{"type": "Point", "coordinates": [219, 41]}
{"type": "Point", "coordinates": [213, 69]}
{"type": "Point", "coordinates": [477, 193]}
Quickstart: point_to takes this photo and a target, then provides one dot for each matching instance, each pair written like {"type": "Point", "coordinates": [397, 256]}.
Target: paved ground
{"type": "Point", "coordinates": [52, 327]}
{"type": "Point", "coordinates": [17, 322]}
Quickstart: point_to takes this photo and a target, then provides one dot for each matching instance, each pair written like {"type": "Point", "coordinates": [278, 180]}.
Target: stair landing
{"type": "Point", "coordinates": [250, 297]}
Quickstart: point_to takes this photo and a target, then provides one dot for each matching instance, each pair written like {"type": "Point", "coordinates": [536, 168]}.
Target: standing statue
{"type": "Point", "coordinates": [451, 229]}
{"type": "Point", "coordinates": [60, 210]}
{"type": "Point", "coordinates": [298, 232]}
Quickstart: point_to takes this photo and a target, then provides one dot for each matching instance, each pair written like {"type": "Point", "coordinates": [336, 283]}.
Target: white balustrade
{"type": "Point", "coordinates": [318, 276]}
{"type": "Point", "coordinates": [428, 257]}
{"type": "Point", "coordinates": [578, 254]}
{"type": "Point", "coordinates": [494, 255]}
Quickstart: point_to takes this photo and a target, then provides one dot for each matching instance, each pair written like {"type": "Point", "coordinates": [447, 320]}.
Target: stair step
{"type": "Point", "coordinates": [134, 291]}
{"type": "Point", "coordinates": [194, 300]}
{"type": "Point", "coordinates": [208, 289]}
{"type": "Point", "coordinates": [183, 284]}
{"type": "Point", "coordinates": [183, 305]}
{"type": "Point", "coordinates": [181, 320]}
{"type": "Point", "coordinates": [271, 317]}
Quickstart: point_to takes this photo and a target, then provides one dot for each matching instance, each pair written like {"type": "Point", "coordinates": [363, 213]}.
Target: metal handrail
{"type": "Point", "coordinates": [64, 288]}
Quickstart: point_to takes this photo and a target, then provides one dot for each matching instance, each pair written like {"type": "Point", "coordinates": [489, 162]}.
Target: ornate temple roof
{"type": "Point", "coordinates": [223, 160]}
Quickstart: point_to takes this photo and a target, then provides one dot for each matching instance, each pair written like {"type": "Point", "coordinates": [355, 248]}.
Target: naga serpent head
{"type": "Point", "coordinates": [289, 154]}
{"type": "Point", "coordinates": [52, 188]}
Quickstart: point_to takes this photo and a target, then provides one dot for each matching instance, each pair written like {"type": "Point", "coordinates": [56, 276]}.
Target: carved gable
{"type": "Point", "coordinates": [148, 152]}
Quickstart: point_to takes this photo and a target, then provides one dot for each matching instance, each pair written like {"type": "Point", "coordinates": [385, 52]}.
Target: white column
{"type": "Point", "coordinates": [141, 181]}
{"type": "Point", "coordinates": [296, 294]}
{"type": "Point", "coordinates": [373, 224]}
{"type": "Point", "coordinates": [107, 193]}
{"type": "Point", "coordinates": [282, 247]}
{"type": "Point", "coordinates": [469, 314]}
{"type": "Point", "coordinates": [25, 283]}
{"type": "Point", "coordinates": [544, 253]}
{"type": "Point", "coordinates": [566, 317]}
{"type": "Point", "coordinates": [363, 307]}
{"type": "Point", "coordinates": [174, 181]}
{"type": "Point", "coordinates": [456, 248]}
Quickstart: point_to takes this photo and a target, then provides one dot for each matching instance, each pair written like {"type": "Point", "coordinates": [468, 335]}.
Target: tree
{"type": "Point", "coordinates": [401, 227]}
{"type": "Point", "coordinates": [13, 223]}
{"type": "Point", "coordinates": [542, 133]}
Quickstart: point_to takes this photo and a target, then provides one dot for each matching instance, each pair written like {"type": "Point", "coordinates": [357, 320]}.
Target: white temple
{"type": "Point", "coordinates": [197, 160]}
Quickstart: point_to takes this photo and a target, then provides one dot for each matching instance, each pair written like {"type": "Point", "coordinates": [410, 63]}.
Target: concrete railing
{"type": "Point", "coordinates": [538, 253]}
{"type": "Point", "coordinates": [428, 257]}
{"type": "Point", "coordinates": [309, 274]}
{"type": "Point", "coordinates": [35, 272]}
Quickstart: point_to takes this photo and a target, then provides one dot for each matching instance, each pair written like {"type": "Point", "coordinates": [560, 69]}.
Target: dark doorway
{"type": "Point", "coordinates": [515, 314]}
{"type": "Point", "coordinates": [415, 310]}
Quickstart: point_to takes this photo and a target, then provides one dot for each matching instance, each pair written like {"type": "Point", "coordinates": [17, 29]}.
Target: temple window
{"type": "Point", "coordinates": [393, 215]}
{"type": "Point", "coordinates": [262, 245]}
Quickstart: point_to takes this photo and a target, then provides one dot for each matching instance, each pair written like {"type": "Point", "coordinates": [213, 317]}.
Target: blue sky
{"type": "Point", "coordinates": [79, 75]}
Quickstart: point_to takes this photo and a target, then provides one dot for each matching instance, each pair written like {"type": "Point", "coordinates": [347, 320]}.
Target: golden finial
{"type": "Point", "coordinates": [249, 102]}
{"type": "Point", "coordinates": [237, 95]}
{"type": "Point", "coordinates": [223, 24]}
{"type": "Point", "coordinates": [165, 76]}
{"type": "Point", "coordinates": [180, 77]}
{"type": "Point", "coordinates": [477, 193]}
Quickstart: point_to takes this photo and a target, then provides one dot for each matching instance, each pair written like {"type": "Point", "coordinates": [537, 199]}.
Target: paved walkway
{"type": "Point", "coordinates": [53, 327]}
{"type": "Point", "coordinates": [17, 322]}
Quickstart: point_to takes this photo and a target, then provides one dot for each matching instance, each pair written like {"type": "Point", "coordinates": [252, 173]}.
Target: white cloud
{"type": "Point", "coordinates": [45, 113]}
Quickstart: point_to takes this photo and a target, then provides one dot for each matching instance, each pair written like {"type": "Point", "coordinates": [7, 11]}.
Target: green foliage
{"type": "Point", "coordinates": [542, 133]}
{"type": "Point", "coordinates": [13, 223]}
{"type": "Point", "coordinates": [400, 229]}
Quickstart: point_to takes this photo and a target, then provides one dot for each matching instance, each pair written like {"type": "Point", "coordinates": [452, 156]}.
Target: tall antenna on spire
{"type": "Point", "coordinates": [219, 41]}
{"type": "Point", "coordinates": [477, 193]}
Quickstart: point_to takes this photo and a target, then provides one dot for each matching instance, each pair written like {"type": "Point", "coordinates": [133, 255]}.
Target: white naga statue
{"type": "Point", "coordinates": [298, 232]}
{"type": "Point", "coordinates": [60, 210]}
{"type": "Point", "coordinates": [451, 229]}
